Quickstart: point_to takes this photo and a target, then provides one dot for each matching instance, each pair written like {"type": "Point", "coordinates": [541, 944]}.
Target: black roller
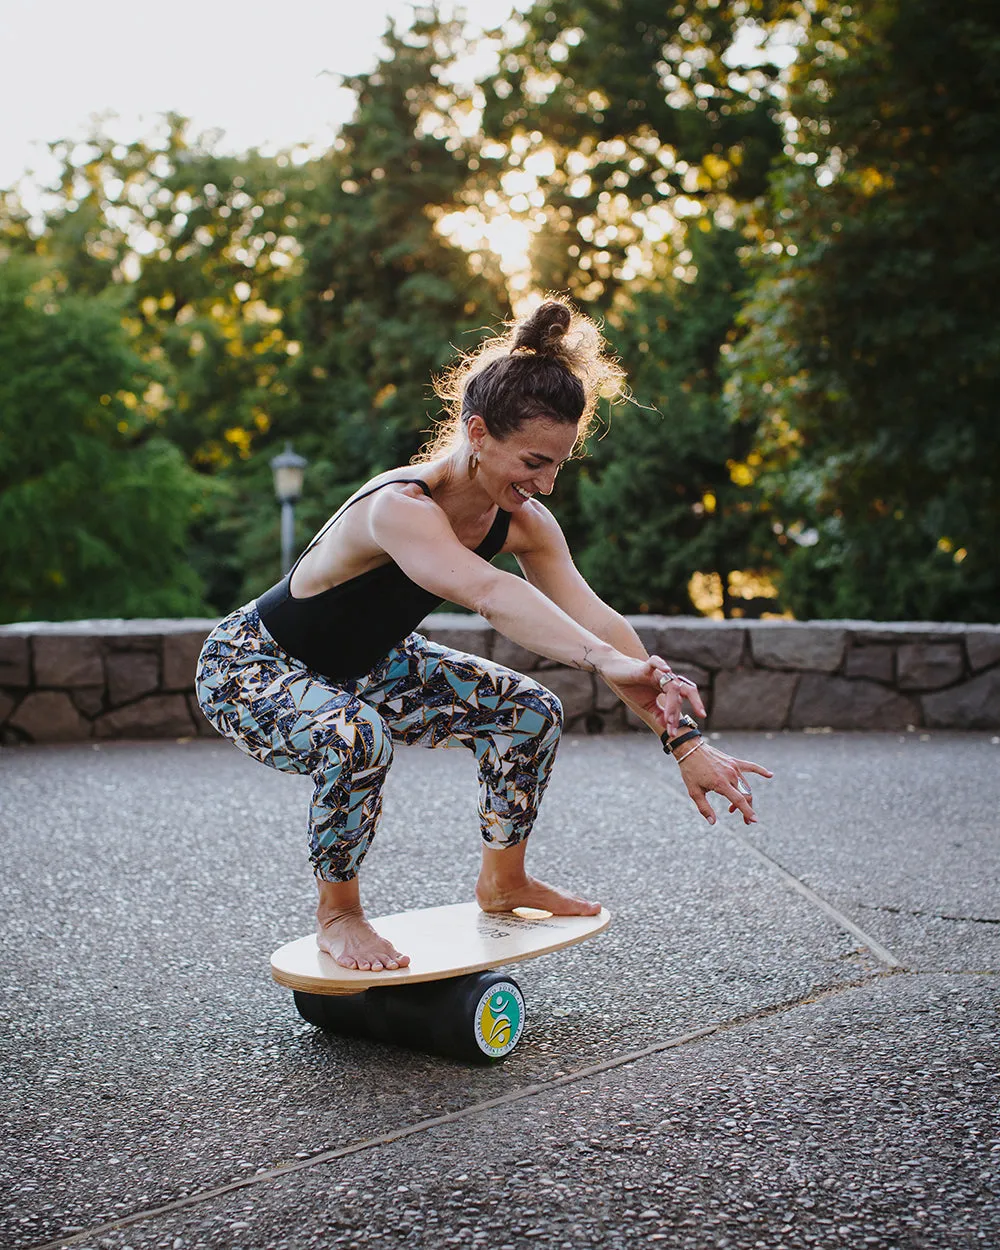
{"type": "Point", "coordinates": [476, 1018]}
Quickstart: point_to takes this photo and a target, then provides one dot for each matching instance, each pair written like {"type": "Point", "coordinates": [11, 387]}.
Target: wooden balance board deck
{"type": "Point", "coordinates": [441, 942]}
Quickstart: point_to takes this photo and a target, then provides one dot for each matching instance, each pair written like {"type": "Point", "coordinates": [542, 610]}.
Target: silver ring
{"type": "Point", "coordinates": [667, 678]}
{"type": "Point", "coordinates": [743, 788]}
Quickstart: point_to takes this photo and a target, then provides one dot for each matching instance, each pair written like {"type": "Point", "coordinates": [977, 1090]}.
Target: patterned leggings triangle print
{"type": "Point", "coordinates": [295, 720]}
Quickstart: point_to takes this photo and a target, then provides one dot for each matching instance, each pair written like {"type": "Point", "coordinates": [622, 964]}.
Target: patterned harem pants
{"type": "Point", "coordinates": [296, 720]}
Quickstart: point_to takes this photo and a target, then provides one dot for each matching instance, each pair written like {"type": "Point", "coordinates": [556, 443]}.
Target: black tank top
{"type": "Point", "coordinates": [344, 631]}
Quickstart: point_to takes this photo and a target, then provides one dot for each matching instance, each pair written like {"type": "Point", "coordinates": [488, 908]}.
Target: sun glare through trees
{"type": "Point", "coordinates": [783, 213]}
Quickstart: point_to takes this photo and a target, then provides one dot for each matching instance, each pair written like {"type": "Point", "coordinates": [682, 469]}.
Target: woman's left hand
{"type": "Point", "coordinates": [653, 690]}
{"type": "Point", "coordinates": [707, 770]}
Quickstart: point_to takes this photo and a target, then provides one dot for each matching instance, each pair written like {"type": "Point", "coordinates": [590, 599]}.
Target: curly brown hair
{"type": "Point", "coordinates": [551, 364]}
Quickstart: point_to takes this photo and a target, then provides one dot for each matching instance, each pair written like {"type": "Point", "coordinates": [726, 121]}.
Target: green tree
{"type": "Point", "coordinates": [203, 249]}
{"type": "Point", "coordinates": [94, 505]}
{"type": "Point", "coordinates": [635, 133]}
{"type": "Point", "coordinates": [383, 300]}
{"type": "Point", "coordinates": [659, 495]}
{"type": "Point", "coordinates": [634, 117]}
{"type": "Point", "coordinates": [872, 363]}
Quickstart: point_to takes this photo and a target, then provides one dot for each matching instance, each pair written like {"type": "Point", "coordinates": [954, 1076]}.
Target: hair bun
{"type": "Point", "coordinates": [544, 329]}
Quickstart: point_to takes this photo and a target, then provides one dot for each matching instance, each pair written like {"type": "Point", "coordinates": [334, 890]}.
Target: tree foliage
{"type": "Point", "coordinates": [796, 268]}
{"type": "Point", "coordinates": [658, 493]}
{"type": "Point", "coordinates": [94, 510]}
{"type": "Point", "coordinates": [642, 119]}
{"type": "Point", "coordinates": [872, 363]}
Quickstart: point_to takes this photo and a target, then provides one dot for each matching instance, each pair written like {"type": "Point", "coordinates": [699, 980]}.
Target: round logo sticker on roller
{"type": "Point", "coordinates": [499, 1019]}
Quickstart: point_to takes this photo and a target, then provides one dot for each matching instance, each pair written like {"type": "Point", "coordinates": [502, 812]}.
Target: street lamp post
{"type": "Point", "coordinates": [289, 471]}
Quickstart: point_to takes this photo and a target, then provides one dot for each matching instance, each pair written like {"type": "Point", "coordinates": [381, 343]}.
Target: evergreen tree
{"type": "Point", "coordinates": [94, 505]}
{"type": "Point", "coordinates": [872, 362]}
{"type": "Point", "coordinates": [659, 495]}
{"type": "Point", "coordinates": [383, 300]}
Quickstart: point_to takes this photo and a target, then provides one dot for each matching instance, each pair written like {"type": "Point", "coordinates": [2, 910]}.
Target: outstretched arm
{"type": "Point", "coordinates": [545, 558]}
{"type": "Point", "coordinates": [418, 537]}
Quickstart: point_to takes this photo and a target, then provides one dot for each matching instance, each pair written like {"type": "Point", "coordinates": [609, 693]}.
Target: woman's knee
{"type": "Point", "coordinates": [541, 711]}
{"type": "Point", "coordinates": [360, 739]}
{"type": "Point", "coordinates": [551, 701]}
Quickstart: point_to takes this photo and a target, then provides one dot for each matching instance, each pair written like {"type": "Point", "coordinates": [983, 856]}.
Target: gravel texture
{"type": "Point", "coordinates": [146, 1056]}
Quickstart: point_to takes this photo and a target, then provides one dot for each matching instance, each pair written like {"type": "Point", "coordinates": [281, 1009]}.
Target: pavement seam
{"type": "Point", "coordinates": [934, 915]}
{"type": "Point", "coordinates": [477, 1108]}
{"type": "Point", "coordinates": [884, 956]}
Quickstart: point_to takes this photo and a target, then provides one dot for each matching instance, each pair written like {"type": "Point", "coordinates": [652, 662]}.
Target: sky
{"type": "Point", "coordinates": [264, 73]}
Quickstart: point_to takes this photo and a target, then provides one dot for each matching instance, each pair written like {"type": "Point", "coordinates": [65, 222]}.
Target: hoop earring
{"type": "Point", "coordinates": [473, 466]}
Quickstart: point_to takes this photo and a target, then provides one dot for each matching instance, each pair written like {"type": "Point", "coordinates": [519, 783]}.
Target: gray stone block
{"type": "Point", "coordinates": [839, 703]}
{"type": "Point", "coordinates": [202, 726]}
{"type": "Point", "coordinates": [928, 665]}
{"type": "Point", "coordinates": [180, 659]}
{"type": "Point", "coordinates": [904, 631]}
{"type": "Point", "coordinates": [460, 630]}
{"type": "Point", "coordinates": [157, 716]}
{"type": "Point", "coordinates": [15, 660]}
{"type": "Point", "coordinates": [874, 662]}
{"type": "Point", "coordinates": [49, 716]}
{"type": "Point", "coordinates": [131, 674]}
{"type": "Point", "coordinates": [982, 645]}
{"type": "Point", "coordinates": [7, 704]}
{"type": "Point", "coordinates": [975, 704]}
{"type": "Point", "coordinates": [649, 635]}
{"type": "Point", "coordinates": [605, 722]}
{"type": "Point", "coordinates": [511, 655]}
{"type": "Point", "coordinates": [89, 700]}
{"type": "Point", "coordinates": [130, 642]}
{"type": "Point", "coordinates": [712, 644]}
{"type": "Point", "coordinates": [68, 660]}
{"type": "Point", "coordinates": [751, 699]}
{"type": "Point", "coordinates": [815, 647]}
{"type": "Point", "coordinates": [574, 688]}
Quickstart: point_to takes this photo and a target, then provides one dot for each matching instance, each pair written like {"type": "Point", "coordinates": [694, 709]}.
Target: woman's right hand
{"type": "Point", "coordinates": [706, 769]}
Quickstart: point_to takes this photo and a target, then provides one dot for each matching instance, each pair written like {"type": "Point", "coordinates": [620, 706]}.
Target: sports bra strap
{"type": "Point", "coordinates": [357, 499]}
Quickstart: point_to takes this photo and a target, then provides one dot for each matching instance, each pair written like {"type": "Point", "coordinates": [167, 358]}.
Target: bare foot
{"type": "Point", "coordinates": [347, 937]}
{"type": "Point", "coordinates": [494, 895]}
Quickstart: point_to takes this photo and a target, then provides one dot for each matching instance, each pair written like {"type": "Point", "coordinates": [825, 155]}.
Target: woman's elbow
{"type": "Point", "coordinates": [485, 595]}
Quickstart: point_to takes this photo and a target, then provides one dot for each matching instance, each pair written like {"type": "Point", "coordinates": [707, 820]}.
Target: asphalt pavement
{"type": "Point", "coordinates": [788, 1036]}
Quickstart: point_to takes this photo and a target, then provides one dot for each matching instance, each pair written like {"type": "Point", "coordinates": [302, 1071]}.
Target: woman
{"type": "Point", "coordinates": [323, 672]}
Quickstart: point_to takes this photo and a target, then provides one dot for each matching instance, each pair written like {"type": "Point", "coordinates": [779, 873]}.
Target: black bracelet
{"type": "Point", "coordinates": [686, 723]}
{"type": "Point", "coordinates": [671, 746]}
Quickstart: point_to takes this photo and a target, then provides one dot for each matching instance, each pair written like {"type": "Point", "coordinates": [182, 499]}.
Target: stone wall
{"type": "Point", "coordinates": [133, 679]}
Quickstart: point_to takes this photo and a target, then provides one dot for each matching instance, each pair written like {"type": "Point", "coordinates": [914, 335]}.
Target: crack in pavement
{"type": "Point", "coordinates": [476, 1108]}
{"type": "Point", "coordinates": [934, 915]}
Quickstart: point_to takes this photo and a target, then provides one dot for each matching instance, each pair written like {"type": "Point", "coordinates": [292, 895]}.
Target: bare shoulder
{"type": "Point", "coordinates": [534, 528]}
{"type": "Point", "coordinates": [405, 498]}
{"type": "Point", "coordinates": [404, 513]}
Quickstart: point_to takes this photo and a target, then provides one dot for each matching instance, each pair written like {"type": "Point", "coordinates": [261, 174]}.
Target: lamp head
{"type": "Point", "coordinates": [289, 472]}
